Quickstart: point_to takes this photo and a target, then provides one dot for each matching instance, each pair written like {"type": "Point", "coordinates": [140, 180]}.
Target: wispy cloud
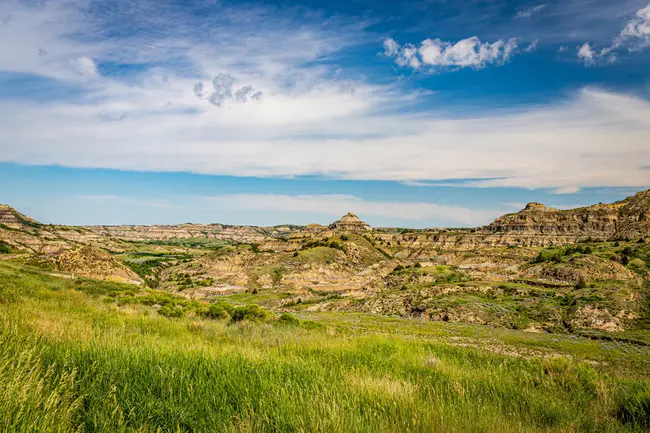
{"type": "Point", "coordinates": [567, 190]}
{"type": "Point", "coordinates": [337, 205]}
{"type": "Point", "coordinates": [529, 12]}
{"type": "Point", "coordinates": [129, 201]}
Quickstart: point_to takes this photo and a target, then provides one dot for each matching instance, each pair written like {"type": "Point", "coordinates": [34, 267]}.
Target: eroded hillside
{"type": "Point", "coordinates": [540, 269]}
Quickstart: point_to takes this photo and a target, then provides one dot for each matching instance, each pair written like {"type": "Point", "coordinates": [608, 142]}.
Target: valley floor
{"type": "Point", "coordinates": [75, 359]}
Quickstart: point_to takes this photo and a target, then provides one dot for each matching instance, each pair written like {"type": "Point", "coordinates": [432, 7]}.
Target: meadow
{"type": "Point", "coordinates": [77, 355]}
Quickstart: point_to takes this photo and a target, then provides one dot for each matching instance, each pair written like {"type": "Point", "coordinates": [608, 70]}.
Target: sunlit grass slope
{"type": "Point", "coordinates": [73, 360]}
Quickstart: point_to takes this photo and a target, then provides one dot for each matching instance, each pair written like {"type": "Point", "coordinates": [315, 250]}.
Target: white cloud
{"type": "Point", "coordinates": [129, 201]}
{"type": "Point", "coordinates": [335, 205]}
{"type": "Point", "coordinates": [594, 139]}
{"type": "Point", "coordinates": [225, 93]}
{"type": "Point", "coordinates": [532, 46]}
{"type": "Point", "coordinates": [638, 29]}
{"type": "Point", "coordinates": [635, 36]}
{"type": "Point", "coordinates": [586, 54]}
{"type": "Point", "coordinates": [527, 13]}
{"type": "Point", "coordinates": [434, 53]}
{"type": "Point", "coordinates": [84, 66]}
{"type": "Point", "coordinates": [567, 190]}
{"type": "Point", "coordinates": [313, 120]}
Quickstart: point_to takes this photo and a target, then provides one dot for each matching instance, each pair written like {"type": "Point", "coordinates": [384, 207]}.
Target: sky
{"type": "Point", "coordinates": [421, 113]}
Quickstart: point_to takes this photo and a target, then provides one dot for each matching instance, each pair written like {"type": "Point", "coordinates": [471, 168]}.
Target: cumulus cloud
{"type": "Point", "coordinates": [335, 205]}
{"type": "Point", "coordinates": [527, 13]}
{"type": "Point", "coordinates": [638, 29]}
{"type": "Point", "coordinates": [435, 53]}
{"type": "Point", "coordinates": [84, 66]}
{"type": "Point", "coordinates": [635, 36]}
{"type": "Point", "coordinates": [224, 91]}
{"type": "Point", "coordinates": [586, 54]}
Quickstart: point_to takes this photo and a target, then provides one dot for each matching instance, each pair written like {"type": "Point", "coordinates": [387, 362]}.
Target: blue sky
{"type": "Point", "coordinates": [415, 113]}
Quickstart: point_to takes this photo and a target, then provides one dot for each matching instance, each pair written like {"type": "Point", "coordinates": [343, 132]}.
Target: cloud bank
{"type": "Point", "coordinates": [336, 205]}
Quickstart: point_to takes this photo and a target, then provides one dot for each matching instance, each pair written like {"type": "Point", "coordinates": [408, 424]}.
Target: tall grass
{"type": "Point", "coordinates": [71, 362]}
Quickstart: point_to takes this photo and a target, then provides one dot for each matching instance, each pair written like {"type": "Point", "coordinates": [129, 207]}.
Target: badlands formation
{"type": "Point", "coordinates": [539, 269]}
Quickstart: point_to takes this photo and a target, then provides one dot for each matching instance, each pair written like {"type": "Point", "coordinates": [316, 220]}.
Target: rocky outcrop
{"type": "Point", "coordinates": [242, 234]}
{"type": "Point", "coordinates": [11, 218]}
{"type": "Point", "coordinates": [626, 218]}
{"type": "Point", "coordinates": [350, 223]}
{"type": "Point", "coordinates": [90, 262]}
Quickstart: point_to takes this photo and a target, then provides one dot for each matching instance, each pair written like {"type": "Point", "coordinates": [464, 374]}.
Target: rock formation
{"type": "Point", "coordinates": [350, 223]}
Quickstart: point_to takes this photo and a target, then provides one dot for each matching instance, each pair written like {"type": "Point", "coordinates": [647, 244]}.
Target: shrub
{"type": "Point", "coordinates": [288, 319]}
{"type": "Point", "coordinates": [581, 284]}
{"type": "Point", "coordinates": [276, 276]}
{"type": "Point", "coordinates": [220, 310]}
{"type": "Point", "coordinates": [5, 248]}
{"type": "Point", "coordinates": [249, 312]}
{"type": "Point", "coordinates": [336, 245]}
{"type": "Point", "coordinates": [344, 237]}
{"type": "Point", "coordinates": [171, 311]}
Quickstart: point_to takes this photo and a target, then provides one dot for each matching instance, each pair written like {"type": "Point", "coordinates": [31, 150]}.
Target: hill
{"type": "Point", "coordinates": [540, 269]}
{"type": "Point", "coordinates": [86, 355]}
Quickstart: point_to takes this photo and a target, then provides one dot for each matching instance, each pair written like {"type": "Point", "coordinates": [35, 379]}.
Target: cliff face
{"type": "Point", "coordinates": [626, 218]}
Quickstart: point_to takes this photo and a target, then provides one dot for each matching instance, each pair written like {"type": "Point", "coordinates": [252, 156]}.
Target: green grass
{"type": "Point", "coordinates": [71, 361]}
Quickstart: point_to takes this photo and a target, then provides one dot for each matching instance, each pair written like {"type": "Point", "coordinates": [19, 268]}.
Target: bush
{"type": "Point", "coordinates": [581, 284]}
{"type": "Point", "coordinates": [276, 276]}
{"type": "Point", "coordinates": [288, 319]}
{"type": "Point", "coordinates": [220, 310]}
{"type": "Point", "coordinates": [344, 237]}
{"type": "Point", "coordinates": [5, 248]}
{"type": "Point", "coordinates": [336, 245]}
{"type": "Point", "coordinates": [249, 312]}
{"type": "Point", "coordinates": [171, 311]}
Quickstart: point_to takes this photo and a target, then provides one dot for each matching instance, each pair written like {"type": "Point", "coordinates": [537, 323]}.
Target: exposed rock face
{"type": "Point", "coordinates": [626, 218]}
{"type": "Point", "coordinates": [242, 234]}
{"type": "Point", "coordinates": [350, 223]}
{"type": "Point", "coordinates": [91, 262]}
{"type": "Point", "coordinates": [11, 218]}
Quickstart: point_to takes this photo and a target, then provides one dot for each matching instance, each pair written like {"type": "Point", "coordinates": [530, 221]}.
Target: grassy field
{"type": "Point", "coordinates": [76, 358]}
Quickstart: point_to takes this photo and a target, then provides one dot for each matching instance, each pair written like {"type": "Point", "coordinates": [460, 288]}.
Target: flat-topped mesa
{"type": "Point", "coordinates": [350, 223]}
